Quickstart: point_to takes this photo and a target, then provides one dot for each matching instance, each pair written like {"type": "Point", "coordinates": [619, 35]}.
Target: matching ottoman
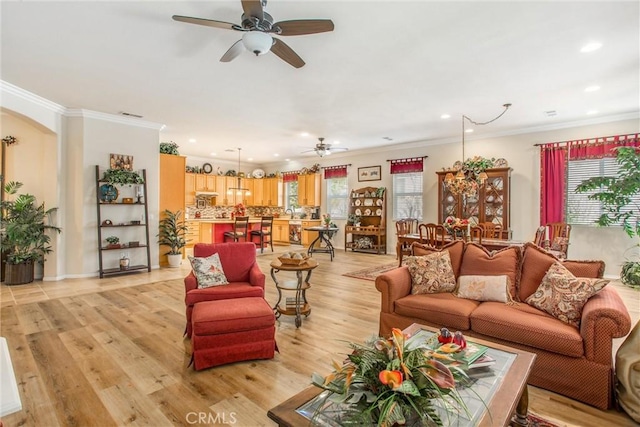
{"type": "Point", "coordinates": [231, 330]}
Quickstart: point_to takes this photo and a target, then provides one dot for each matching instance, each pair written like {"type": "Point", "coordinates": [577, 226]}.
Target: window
{"type": "Point", "coordinates": [407, 195]}
{"type": "Point", "coordinates": [337, 199]}
{"type": "Point", "coordinates": [581, 210]}
{"type": "Point", "coordinates": [291, 195]}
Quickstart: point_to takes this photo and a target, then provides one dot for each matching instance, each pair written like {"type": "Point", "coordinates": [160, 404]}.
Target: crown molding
{"type": "Point", "coordinates": [30, 97]}
{"type": "Point", "coordinates": [114, 118]}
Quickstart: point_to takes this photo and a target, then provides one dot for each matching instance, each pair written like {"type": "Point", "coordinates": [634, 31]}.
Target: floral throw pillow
{"type": "Point", "coordinates": [484, 288]}
{"type": "Point", "coordinates": [208, 271]}
{"type": "Point", "coordinates": [431, 274]}
{"type": "Point", "coordinates": [563, 295]}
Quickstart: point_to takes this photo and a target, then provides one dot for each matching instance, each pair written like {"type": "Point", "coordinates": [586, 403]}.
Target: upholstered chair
{"type": "Point", "coordinates": [238, 260]}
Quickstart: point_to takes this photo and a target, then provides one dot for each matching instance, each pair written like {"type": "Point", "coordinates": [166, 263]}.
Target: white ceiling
{"type": "Point", "coordinates": [390, 69]}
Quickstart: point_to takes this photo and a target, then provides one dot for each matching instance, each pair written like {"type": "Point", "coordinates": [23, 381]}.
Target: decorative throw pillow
{"type": "Point", "coordinates": [208, 271]}
{"type": "Point", "coordinates": [431, 274]}
{"type": "Point", "coordinates": [563, 296]}
{"type": "Point", "coordinates": [484, 288]}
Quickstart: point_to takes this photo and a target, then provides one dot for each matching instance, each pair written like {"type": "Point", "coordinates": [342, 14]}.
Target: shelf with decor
{"type": "Point", "coordinates": [110, 203]}
{"type": "Point", "coordinates": [491, 202]}
{"type": "Point", "coordinates": [367, 206]}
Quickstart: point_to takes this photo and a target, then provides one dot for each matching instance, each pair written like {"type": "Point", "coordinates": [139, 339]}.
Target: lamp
{"type": "Point", "coordinates": [257, 42]}
{"type": "Point", "coordinates": [467, 180]}
{"type": "Point", "coordinates": [239, 189]}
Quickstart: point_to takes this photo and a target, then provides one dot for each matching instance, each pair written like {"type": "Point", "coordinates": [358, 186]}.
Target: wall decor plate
{"type": "Point", "coordinates": [258, 173]}
{"type": "Point", "coordinates": [368, 202]}
{"type": "Point", "coordinates": [358, 202]}
{"type": "Point", "coordinates": [367, 211]}
{"type": "Point", "coordinates": [500, 163]}
{"type": "Point", "coordinates": [108, 193]}
{"type": "Point", "coordinates": [207, 168]}
{"type": "Point", "coordinates": [358, 212]}
{"type": "Point", "coordinates": [378, 212]}
{"type": "Point", "coordinates": [379, 202]}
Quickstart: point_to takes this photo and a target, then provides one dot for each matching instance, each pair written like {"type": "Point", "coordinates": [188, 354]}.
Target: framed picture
{"type": "Point", "coordinates": [370, 173]}
{"type": "Point", "coordinates": [120, 161]}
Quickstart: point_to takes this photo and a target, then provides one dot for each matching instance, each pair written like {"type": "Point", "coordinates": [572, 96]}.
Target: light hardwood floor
{"type": "Point", "coordinates": [110, 352]}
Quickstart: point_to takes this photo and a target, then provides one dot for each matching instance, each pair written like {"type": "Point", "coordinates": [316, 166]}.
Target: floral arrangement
{"type": "Point", "coordinates": [326, 219]}
{"type": "Point", "coordinates": [452, 222]}
{"type": "Point", "coordinates": [384, 383]}
{"type": "Point", "coordinates": [239, 210]}
{"type": "Point", "coordinates": [122, 177]}
{"type": "Point", "coordinates": [169, 148]}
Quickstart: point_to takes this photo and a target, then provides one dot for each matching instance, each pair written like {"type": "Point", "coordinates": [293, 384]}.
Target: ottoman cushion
{"type": "Point", "coordinates": [226, 331]}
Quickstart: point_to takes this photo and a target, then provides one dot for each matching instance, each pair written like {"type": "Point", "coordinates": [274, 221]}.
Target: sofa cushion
{"type": "Point", "coordinates": [455, 249]}
{"type": "Point", "coordinates": [443, 309]}
{"type": "Point", "coordinates": [563, 296]}
{"type": "Point", "coordinates": [208, 271]}
{"type": "Point", "coordinates": [484, 288]}
{"type": "Point", "coordinates": [536, 261]}
{"type": "Point", "coordinates": [523, 324]}
{"type": "Point", "coordinates": [477, 261]}
{"type": "Point", "coordinates": [431, 273]}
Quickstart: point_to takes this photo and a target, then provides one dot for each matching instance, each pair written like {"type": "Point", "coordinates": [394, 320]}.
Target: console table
{"type": "Point", "coordinates": [324, 235]}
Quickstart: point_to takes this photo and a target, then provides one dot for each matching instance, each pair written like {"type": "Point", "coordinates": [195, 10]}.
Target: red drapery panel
{"type": "Point", "coordinates": [290, 176]}
{"type": "Point", "coordinates": [598, 148]}
{"type": "Point", "coordinates": [553, 168]}
{"type": "Point", "coordinates": [412, 164]}
{"type": "Point", "coordinates": [335, 172]}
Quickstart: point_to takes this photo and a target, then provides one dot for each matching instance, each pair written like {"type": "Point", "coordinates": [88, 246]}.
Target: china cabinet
{"type": "Point", "coordinates": [489, 204]}
{"type": "Point", "coordinates": [370, 206]}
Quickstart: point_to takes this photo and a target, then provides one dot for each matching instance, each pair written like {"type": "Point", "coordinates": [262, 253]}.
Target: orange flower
{"type": "Point", "coordinates": [391, 378]}
{"type": "Point", "coordinates": [439, 374]}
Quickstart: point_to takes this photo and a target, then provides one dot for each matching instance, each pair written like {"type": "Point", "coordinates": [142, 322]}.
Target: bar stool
{"type": "Point", "coordinates": [240, 229]}
{"type": "Point", "coordinates": [264, 232]}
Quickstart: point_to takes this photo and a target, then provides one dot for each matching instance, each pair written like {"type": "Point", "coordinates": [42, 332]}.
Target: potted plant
{"type": "Point", "coordinates": [113, 242]}
{"type": "Point", "coordinates": [122, 177]}
{"type": "Point", "coordinates": [169, 148]}
{"type": "Point", "coordinates": [354, 220]}
{"type": "Point", "coordinates": [172, 232]}
{"type": "Point", "coordinates": [616, 194]}
{"type": "Point", "coordinates": [23, 234]}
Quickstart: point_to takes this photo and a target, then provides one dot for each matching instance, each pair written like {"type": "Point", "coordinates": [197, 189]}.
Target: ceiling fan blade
{"type": "Point", "coordinates": [300, 27]}
{"type": "Point", "coordinates": [207, 22]}
{"type": "Point", "coordinates": [236, 49]}
{"type": "Point", "coordinates": [253, 8]}
{"type": "Point", "coordinates": [287, 54]}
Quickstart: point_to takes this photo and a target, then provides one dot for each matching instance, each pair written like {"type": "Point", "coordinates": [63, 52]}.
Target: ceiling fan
{"type": "Point", "coordinates": [323, 149]}
{"type": "Point", "coordinates": [258, 26]}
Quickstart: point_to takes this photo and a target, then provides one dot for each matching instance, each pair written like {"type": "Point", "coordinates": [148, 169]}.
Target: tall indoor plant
{"type": "Point", "coordinates": [23, 234]}
{"type": "Point", "coordinates": [618, 195]}
{"type": "Point", "coordinates": [172, 230]}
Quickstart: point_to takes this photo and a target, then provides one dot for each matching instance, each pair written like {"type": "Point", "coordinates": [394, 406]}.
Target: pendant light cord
{"type": "Point", "coordinates": [506, 107]}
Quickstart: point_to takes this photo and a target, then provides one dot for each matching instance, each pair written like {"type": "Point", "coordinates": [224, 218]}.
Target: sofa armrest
{"type": "Point", "coordinates": [604, 317]}
{"type": "Point", "coordinates": [256, 276]}
{"type": "Point", "coordinates": [190, 282]}
{"type": "Point", "coordinates": [393, 284]}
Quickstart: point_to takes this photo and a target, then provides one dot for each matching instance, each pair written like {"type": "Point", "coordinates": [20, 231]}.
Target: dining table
{"type": "Point", "coordinates": [488, 243]}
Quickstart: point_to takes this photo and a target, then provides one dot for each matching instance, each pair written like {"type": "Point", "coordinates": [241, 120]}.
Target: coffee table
{"type": "Point", "coordinates": [506, 396]}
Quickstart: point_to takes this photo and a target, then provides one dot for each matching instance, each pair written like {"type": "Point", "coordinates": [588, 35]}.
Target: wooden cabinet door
{"type": "Point", "coordinates": [247, 199]}
{"type": "Point", "coordinates": [201, 182]}
{"type": "Point", "coordinates": [210, 182]}
{"type": "Point", "coordinates": [276, 192]}
{"type": "Point", "coordinates": [258, 192]}
{"type": "Point", "coordinates": [309, 190]}
{"type": "Point", "coordinates": [308, 236]}
{"type": "Point", "coordinates": [223, 183]}
{"type": "Point", "coordinates": [281, 231]}
{"type": "Point", "coordinates": [193, 233]}
{"type": "Point", "coordinates": [205, 232]}
{"type": "Point", "coordinates": [189, 189]}
{"type": "Point", "coordinates": [172, 182]}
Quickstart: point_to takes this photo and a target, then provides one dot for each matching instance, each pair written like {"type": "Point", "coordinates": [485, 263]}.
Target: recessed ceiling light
{"type": "Point", "coordinates": [445, 116]}
{"type": "Point", "coordinates": [590, 47]}
{"type": "Point", "coordinates": [469, 130]}
{"type": "Point", "coordinates": [214, 154]}
{"type": "Point", "coordinates": [287, 160]}
{"type": "Point", "coordinates": [250, 159]}
{"type": "Point", "coordinates": [276, 155]}
{"type": "Point", "coordinates": [592, 88]}
{"type": "Point", "coordinates": [304, 133]}
{"type": "Point", "coordinates": [336, 142]}
{"type": "Point", "coordinates": [192, 140]}
{"type": "Point", "coordinates": [592, 112]}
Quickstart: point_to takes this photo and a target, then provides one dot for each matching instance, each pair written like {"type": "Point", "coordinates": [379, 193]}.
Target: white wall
{"type": "Point", "coordinates": [608, 244]}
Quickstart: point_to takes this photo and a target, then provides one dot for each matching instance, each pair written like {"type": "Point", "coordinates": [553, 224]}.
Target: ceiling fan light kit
{"type": "Point", "coordinates": [324, 149]}
{"type": "Point", "coordinates": [258, 26]}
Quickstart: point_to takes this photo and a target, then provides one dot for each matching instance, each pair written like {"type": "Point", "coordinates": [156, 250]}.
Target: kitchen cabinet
{"type": "Point", "coordinates": [189, 189]}
{"type": "Point", "coordinates": [369, 205]}
{"type": "Point", "coordinates": [223, 183]}
{"type": "Point", "coordinates": [309, 189]}
{"type": "Point", "coordinates": [267, 192]}
{"type": "Point", "coordinates": [490, 204]}
{"type": "Point", "coordinates": [205, 182]}
{"type": "Point", "coordinates": [205, 233]}
{"type": "Point", "coordinates": [309, 236]}
{"type": "Point", "coordinates": [192, 236]}
{"type": "Point", "coordinates": [280, 231]}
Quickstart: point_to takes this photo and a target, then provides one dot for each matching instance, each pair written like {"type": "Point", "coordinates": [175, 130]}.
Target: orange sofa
{"type": "Point", "coordinates": [575, 362]}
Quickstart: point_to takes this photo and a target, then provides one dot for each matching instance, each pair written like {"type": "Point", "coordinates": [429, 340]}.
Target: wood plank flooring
{"type": "Point", "coordinates": [110, 352]}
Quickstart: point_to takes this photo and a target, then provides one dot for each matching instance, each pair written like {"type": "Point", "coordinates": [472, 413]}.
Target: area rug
{"type": "Point", "coordinates": [537, 421]}
{"type": "Point", "coordinates": [371, 273]}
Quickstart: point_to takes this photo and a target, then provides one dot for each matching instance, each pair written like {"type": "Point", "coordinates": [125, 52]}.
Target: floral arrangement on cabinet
{"type": "Point", "coordinates": [452, 222]}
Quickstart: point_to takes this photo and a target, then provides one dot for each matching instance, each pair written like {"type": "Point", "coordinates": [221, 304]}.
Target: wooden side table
{"type": "Point", "coordinates": [301, 305]}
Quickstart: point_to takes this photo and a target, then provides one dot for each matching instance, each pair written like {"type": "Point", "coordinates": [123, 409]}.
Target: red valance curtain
{"type": "Point", "coordinates": [598, 148]}
{"type": "Point", "coordinates": [408, 165]}
{"type": "Point", "coordinates": [290, 176]}
{"type": "Point", "coordinates": [335, 172]}
{"type": "Point", "coordinates": [553, 169]}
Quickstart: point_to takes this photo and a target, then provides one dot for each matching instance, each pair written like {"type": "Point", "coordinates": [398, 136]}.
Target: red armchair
{"type": "Point", "coordinates": [239, 264]}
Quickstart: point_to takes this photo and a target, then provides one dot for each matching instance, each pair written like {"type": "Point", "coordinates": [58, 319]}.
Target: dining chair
{"type": "Point", "coordinates": [538, 239]}
{"type": "Point", "coordinates": [490, 230]}
{"type": "Point", "coordinates": [240, 230]}
{"type": "Point", "coordinates": [459, 232]}
{"type": "Point", "coordinates": [264, 232]}
{"type": "Point", "coordinates": [403, 227]}
{"type": "Point", "coordinates": [476, 233]}
{"type": "Point", "coordinates": [432, 234]}
{"type": "Point", "coordinates": [557, 241]}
